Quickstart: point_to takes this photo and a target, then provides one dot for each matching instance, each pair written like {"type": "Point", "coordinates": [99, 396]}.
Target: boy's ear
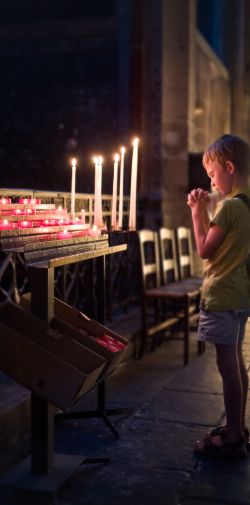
{"type": "Point", "coordinates": [230, 167]}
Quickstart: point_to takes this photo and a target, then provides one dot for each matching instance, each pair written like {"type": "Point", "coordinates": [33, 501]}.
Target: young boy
{"type": "Point", "coordinates": [223, 242]}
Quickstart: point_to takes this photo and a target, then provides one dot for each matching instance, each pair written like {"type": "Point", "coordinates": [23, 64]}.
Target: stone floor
{"type": "Point", "coordinates": [152, 461]}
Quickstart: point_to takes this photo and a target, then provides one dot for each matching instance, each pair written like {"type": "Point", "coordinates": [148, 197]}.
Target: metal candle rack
{"type": "Point", "coordinates": [43, 252]}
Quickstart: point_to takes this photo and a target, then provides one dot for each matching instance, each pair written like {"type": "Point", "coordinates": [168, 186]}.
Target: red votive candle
{"type": "Point", "coordinates": [25, 224]}
{"type": "Point", "coordinates": [32, 201]}
{"type": "Point", "coordinates": [5, 201]}
{"type": "Point", "coordinates": [64, 234]}
{"type": "Point", "coordinates": [94, 231]}
{"type": "Point", "coordinates": [5, 225]}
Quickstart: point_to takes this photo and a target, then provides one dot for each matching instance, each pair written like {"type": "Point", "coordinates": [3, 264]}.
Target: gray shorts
{"type": "Point", "coordinates": [222, 326]}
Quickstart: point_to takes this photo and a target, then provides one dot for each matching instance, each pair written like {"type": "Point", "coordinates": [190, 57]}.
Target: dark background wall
{"type": "Point", "coordinates": [58, 93]}
{"type": "Point", "coordinates": [58, 100]}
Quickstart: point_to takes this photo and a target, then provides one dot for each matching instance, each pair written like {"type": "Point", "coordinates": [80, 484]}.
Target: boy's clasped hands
{"type": "Point", "coordinates": [198, 198]}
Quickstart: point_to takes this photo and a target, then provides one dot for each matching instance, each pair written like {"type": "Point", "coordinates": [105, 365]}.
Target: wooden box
{"type": "Point", "coordinates": [45, 360]}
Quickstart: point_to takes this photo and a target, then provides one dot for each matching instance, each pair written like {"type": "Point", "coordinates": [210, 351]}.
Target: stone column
{"type": "Point", "coordinates": [168, 39]}
{"type": "Point", "coordinates": [178, 21]}
{"type": "Point", "coordinates": [156, 61]}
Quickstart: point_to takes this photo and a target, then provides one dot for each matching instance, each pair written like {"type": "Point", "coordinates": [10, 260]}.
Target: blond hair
{"type": "Point", "coordinates": [232, 148]}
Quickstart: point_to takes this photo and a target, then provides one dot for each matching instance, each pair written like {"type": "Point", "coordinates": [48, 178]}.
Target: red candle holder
{"type": "Point", "coordinates": [65, 234]}
{"type": "Point", "coordinates": [5, 225]}
{"type": "Point", "coordinates": [29, 211]}
{"type": "Point", "coordinates": [30, 201]}
{"type": "Point", "coordinates": [94, 231]}
{"type": "Point", "coordinates": [5, 201]}
{"type": "Point", "coordinates": [25, 224]}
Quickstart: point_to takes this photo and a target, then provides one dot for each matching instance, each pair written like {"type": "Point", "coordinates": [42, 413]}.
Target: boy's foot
{"type": "Point", "coordinates": [223, 429]}
{"type": "Point", "coordinates": [220, 445]}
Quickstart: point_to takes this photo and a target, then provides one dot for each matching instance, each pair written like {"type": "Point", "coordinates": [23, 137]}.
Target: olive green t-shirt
{"type": "Point", "coordinates": [226, 284]}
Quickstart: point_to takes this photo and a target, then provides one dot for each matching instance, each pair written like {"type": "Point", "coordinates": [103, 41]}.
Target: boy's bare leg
{"type": "Point", "coordinates": [244, 382]}
{"type": "Point", "coordinates": [229, 368]}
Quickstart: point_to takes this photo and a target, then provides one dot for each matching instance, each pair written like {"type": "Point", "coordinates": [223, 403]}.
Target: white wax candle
{"type": "Point", "coordinates": [132, 207]}
{"type": "Point", "coordinates": [98, 192]}
{"type": "Point", "coordinates": [73, 188]}
{"type": "Point", "coordinates": [95, 191]}
{"type": "Point", "coordinates": [120, 215]}
{"type": "Point", "coordinates": [114, 198]}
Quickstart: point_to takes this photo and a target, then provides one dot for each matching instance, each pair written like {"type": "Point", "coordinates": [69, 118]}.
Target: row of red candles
{"type": "Point", "coordinates": [111, 343]}
{"type": "Point", "coordinates": [26, 201]}
{"type": "Point", "coordinates": [31, 211]}
{"type": "Point", "coordinates": [9, 225]}
{"type": "Point", "coordinates": [65, 234]}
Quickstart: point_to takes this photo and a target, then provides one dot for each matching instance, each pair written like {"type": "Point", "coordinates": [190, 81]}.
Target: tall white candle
{"type": "Point", "coordinates": [96, 162]}
{"type": "Point", "coordinates": [73, 188]}
{"type": "Point", "coordinates": [120, 214]}
{"type": "Point", "coordinates": [98, 192]}
{"type": "Point", "coordinates": [132, 207]}
{"type": "Point", "coordinates": [114, 198]}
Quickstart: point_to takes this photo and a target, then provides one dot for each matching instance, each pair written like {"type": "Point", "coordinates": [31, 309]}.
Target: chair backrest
{"type": "Point", "coordinates": [185, 252]}
{"type": "Point", "coordinates": [149, 259]}
{"type": "Point", "coordinates": [168, 255]}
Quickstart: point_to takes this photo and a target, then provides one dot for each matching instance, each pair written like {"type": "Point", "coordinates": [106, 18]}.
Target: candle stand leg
{"type": "Point", "coordinates": [42, 435]}
{"type": "Point", "coordinates": [101, 412]}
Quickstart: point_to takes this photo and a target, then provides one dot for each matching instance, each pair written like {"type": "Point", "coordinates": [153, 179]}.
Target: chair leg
{"type": "Point", "coordinates": [143, 333]}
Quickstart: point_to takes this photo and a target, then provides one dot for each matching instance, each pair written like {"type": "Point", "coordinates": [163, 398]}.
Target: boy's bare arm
{"type": "Point", "coordinates": [207, 237]}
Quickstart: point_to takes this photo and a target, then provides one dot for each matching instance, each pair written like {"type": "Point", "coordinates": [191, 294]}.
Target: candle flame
{"type": "Point", "coordinates": [5, 221]}
{"type": "Point", "coordinates": [135, 141]}
{"type": "Point", "coordinates": [98, 160]}
{"type": "Point", "coordinates": [73, 162]}
{"type": "Point", "coordinates": [116, 157]}
{"type": "Point", "coordinates": [94, 227]}
{"type": "Point", "coordinates": [123, 150]}
{"type": "Point", "coordinates": [60, 207]}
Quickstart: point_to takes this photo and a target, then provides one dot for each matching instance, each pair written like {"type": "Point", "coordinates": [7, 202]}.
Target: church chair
{"type": "Point", "coordinates": [185, 256]}
{"type": "Point", "coordinates": [163, 306]}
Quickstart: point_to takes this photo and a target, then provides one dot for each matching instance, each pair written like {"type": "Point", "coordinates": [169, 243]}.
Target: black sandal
{"type": "Point", "coordinates": [223, 429]}
{"type": "Point", "coordinates": [225, 448]}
